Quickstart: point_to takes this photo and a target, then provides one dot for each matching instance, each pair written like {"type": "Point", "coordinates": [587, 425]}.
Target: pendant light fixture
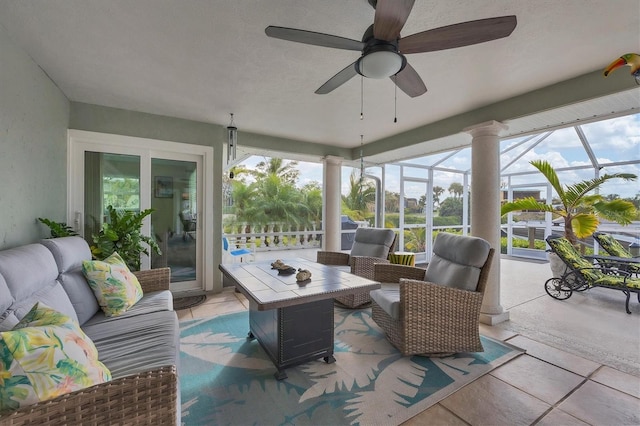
{"type": "Point", "coordinates": [232, 141]}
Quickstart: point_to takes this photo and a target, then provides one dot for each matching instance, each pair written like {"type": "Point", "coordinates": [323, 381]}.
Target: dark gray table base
{"type": "Point", "coordinates": [294, 334]}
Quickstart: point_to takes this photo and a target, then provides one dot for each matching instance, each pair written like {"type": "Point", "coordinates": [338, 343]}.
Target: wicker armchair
{"type": "Point", "coordinates": [371, 246]}
{"type": "Point", "coordinates": [148, 397]}
{"type": "Point", "coordinates": [435, 312]}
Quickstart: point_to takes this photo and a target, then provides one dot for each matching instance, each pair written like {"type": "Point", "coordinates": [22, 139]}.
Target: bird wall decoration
{"type": "Point", "coordinates": [630, 59]}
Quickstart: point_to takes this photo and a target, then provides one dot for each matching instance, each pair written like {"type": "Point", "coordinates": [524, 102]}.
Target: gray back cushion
{"type": "Point", "coordinates": [373, 242]}
{"type": "Point", "coordinates": [69, 252]}
{"type": "Point", "coordinates": [457, 261]}
{"type": "Point", "coordinates": [30, 274]}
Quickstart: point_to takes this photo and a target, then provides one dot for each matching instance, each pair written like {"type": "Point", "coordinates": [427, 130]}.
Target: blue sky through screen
{"type": "Point", "coordinates": [613, 140]}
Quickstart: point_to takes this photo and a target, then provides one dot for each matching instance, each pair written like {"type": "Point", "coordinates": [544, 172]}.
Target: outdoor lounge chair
{"type": "Point", "coordinates": [435, 312]}
{"type": "Point", "coordinates": [370, 246]}
{"type": "Point", "coordinates": [613, 247]}
{"type": "Point", "coordinates": [582, 274]}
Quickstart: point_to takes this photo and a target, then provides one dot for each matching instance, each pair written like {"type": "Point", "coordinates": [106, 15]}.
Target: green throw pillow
{"type": "Point", "coordinates": [46, 355]}
{"type": "Point", "coordinates": [115, 287]}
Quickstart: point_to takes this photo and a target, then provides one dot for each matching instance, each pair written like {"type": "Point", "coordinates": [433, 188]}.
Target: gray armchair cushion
{"type": "Point", "coordinates": [69, 252]}
{"type": "Point", "coordinates": [457, 261]}
{"type": "Point", "coordinates": [373, 242]}
{"type": "Point", "coordinates": [388, 298]}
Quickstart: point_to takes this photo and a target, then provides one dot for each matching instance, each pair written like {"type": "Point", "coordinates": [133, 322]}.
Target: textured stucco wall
{"type": "Point", "coordinates": [34, 115]}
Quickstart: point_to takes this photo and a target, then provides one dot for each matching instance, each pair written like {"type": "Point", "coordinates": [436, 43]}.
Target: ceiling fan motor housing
{"type": "Point", "coordinates": [380, 58]}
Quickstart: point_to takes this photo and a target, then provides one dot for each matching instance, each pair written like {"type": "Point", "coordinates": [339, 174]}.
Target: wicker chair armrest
{"type": "Point", "coordinates": [154, 279]}
{"type": "Point", "coordinates": [333, 258]}
{"type": "Point", "coordinates": [145, 398]}
{"type": "Point", "coordinates": [447, 318]}
{"type": "Point", "coordinates": [391, 273]}
{"type": "Point", "coordinates": [362, 266]}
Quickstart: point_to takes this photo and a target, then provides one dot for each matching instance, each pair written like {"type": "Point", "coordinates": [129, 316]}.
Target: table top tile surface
{"type": "Point", "coordinates": [269, 290]}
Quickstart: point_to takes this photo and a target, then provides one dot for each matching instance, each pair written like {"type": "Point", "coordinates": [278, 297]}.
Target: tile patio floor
{"type": "Point", "coordinates": [581, 366]}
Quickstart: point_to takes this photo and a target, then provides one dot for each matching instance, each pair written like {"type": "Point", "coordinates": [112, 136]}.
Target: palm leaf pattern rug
{"type": "Point", "coordinates": [227, 379]}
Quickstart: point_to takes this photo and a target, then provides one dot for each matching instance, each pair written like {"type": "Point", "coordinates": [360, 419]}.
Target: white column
{"type": "Point", "coordinates": [331, 194]}
{"type": "Point", "coordinates": [485, 208]}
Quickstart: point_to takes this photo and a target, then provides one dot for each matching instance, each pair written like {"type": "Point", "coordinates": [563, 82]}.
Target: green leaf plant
{"type": "Point", "coordinates": [580, 210]}
{"type": "Point", "coordinates": [58, 229]}
{"type": "Point", "coordinates": [122, 233]}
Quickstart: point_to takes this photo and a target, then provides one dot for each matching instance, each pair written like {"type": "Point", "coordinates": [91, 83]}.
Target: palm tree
{"type": "Point", "coordinates": [416, 240]}
{"type": "Point", "coordinates": [456, 189]}
{"type": "Point", "coordinates": [287, 172]}
{"type": "Point", "coordinates": [581, 211]}
{"type": "Point", "coordinates": [437, 192]}
{"type": "Point", "coordinates": [361, 195]}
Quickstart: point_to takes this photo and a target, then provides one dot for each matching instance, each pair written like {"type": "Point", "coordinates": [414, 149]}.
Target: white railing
{"type": "Point", "coordinates": [274, 236]}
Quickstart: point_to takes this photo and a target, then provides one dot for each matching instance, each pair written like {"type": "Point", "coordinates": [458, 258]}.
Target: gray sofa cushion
{"type": "Point", "coordinates": [69, 252]}
{"type": "Point", "coordinates": [132, 345]}
{"type": "Point", "coordinates": [373, 242]}
{"type": "Point", "coordinates": [150, 302]}
{"type": "Point", "coordinates": [457, 261]}
{"type": "Point", "coordinates": [388, 298]}
{"type": "Point", "coordinates": [6, 298]}
{"type": "Point", "coordinates": [30, 273]}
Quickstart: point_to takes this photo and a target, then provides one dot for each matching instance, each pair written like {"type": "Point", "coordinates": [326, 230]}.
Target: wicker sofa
{"type": "Point", "coordinates": [140, 347]}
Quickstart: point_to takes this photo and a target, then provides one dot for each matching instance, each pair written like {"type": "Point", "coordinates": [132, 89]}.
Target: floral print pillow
{"type": "Point", "coordinates": [115, 287]}
{"type": "Point", "coordinates": [46, 355]}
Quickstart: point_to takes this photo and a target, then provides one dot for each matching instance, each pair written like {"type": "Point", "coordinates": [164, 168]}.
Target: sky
{"type": "Point", "coordinates": [613, 140]}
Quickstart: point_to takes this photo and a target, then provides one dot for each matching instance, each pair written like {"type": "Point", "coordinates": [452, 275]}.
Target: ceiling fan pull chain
{"type": "Point", "coordinates": [361, 97]}
{"type": "Point", "coordinates": [395, 98]}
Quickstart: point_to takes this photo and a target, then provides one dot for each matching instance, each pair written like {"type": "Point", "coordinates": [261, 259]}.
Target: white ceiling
{"type": "Point", "coordinates": [201, 60]}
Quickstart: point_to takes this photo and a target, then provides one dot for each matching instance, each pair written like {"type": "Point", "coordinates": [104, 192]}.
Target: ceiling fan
{"type": "Point", "coordinates": [383, 49]}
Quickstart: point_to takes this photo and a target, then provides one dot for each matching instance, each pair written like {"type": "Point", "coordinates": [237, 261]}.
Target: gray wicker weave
{"type": "Point", "coordinates": [360, 265]}
{"type": "Point", "coordinates": [434, 320]}
{"type": "Point", "coordinates": [146, 398]}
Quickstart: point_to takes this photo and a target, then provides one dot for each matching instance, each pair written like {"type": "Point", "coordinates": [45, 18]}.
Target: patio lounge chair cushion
{"type": "Point", "coordinates": [373, 242]}
{"type": "Point", "coordinates": [611, 245]}
{"type": "Point", "coordinates": [457, 261]}
{"type": "Point", "coordinates": [593, 276]}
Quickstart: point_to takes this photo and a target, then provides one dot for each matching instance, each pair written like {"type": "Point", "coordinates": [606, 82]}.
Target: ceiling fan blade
{"type": "Point", "coordinates": [317, 39]}
{"type": "Point", "coordinates": [391, 16]}
{"type": "Point", "coordinates": [409, 82]}
{"type": "Point", "coordinates": [338, 80]}
{"type": "Point", "coordinates": [458, 35]}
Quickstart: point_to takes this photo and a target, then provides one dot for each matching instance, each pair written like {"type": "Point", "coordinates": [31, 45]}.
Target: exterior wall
{"type": "Point", "coordinates": [34, 115]}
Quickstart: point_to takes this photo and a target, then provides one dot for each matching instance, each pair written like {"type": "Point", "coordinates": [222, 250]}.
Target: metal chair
{"type": "Point", "coordinates": [435, 312]}
{"type": "Point", "coordinates": [582, 274]}
{"type": "Point", "coordinates": [613, 247]}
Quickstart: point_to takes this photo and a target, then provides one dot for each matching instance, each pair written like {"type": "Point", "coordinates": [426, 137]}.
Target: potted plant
{"type": "Point", "coordinates": [580, 208]}
{"type": "Point", "coordinates": [123, 234]}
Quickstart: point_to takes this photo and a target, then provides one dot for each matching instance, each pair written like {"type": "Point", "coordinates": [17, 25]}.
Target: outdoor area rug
{"type": "Point", "coordinates": [227, 379]}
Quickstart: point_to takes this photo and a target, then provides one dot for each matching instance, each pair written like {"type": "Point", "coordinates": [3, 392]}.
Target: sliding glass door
{"type": "Point", "coordinates": [106, 173]}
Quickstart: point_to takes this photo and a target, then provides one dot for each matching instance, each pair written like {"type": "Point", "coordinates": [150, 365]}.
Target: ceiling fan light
{"type": "Point", "coordinates": [381, 64]}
